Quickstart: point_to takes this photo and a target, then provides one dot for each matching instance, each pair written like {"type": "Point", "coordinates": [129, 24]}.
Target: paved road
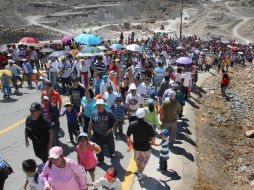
{"type": "Point", "coordinates": [182, 163]}
{"type": "Point", "coordinates": [12, 145]}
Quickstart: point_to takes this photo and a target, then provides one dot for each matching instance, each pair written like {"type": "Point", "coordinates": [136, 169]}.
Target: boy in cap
{"type": "Point", "coordinates": [164, 149]}
{"type": "Point", "coordinates": [72, 121]}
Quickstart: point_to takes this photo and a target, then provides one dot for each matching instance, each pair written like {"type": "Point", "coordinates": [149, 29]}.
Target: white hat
{"type": "Point", "coordinates": [133, 87]}
{"type": "Point", "coordinates": [11, 61]}
{"type": "Point", "coordinates": [171, 94]}
{"type": "Point", "coordinates": [99, 101]}
{"type": "Point", "coordinates": [140, 113]}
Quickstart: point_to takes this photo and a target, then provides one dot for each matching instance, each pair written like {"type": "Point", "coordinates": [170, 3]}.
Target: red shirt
{"type": "Point", "coordinates": [113, 67]}
{"type": "Point", "coordinates": [54, 97]}
{"type": "Point", "coordinates": [225, 82]}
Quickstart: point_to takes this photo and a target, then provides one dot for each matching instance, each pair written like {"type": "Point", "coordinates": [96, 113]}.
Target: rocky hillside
{"type": "Point", "coordinates": [225, 153]}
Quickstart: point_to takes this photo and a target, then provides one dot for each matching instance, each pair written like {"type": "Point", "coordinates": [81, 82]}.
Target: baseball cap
{"type": "Point", "coordinates": [109, 88]}
{"type": "Point", "coordinates": [133, 87]}
{"type": "Point", "coordinates": [74, 79]}
{"type": "Point", "coordinates": [45, 98]}
{"type": "Point", "coordinates": [164, 132]}
{"type": "Point", "coordinates": [48, 83]}
{"type": "Point", "coordinates": [140, 113]}
{"type": "Point", "coordinates": [55, 152]}
{"type": "Point", "coordinates": [82, 134]}
{"type": "Point", "coordinates": [35, 106]}
{"type": "Point", "coordinates": [99, 102]}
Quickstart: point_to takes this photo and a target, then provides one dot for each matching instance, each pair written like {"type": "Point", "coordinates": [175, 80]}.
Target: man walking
{"type": "Point", "coordinates": [102, 124]}
{"type": "Point", "coordinates": [143, 134]}
{"type": "Point", "coordinates": [39, 131]}
{"type": "Point", "coordinates": [169, 114]}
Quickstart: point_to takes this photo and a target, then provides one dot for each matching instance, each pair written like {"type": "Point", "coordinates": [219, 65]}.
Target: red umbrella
{"type": "Point", "coordinates": [118, 51]}
{"type": "Point", "coordinates": [28, 40]}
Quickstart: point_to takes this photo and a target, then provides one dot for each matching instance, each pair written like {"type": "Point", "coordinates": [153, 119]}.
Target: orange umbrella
{"type": "Point", "coordinates": [74, 52]}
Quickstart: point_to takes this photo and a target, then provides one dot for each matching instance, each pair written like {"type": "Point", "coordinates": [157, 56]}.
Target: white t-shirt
{"type": "Point", "coordinates": [187, 79]}
{"type": "Point", "coordinates": [110, 98]}
{"type": "Point", "coordinates": [32, 185]}
{"type": "Point", "coordinates": [134, 102]}
{"type": "Point", "coordinates": [104, 184]}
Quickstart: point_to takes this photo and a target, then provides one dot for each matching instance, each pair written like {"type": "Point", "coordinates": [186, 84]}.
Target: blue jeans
{"type": "Point", "coordinates": [14, 81]}
{"type": "Point", "coordinates": [53, 77]}
{"type": "Point", "coordinates": [6, 90]}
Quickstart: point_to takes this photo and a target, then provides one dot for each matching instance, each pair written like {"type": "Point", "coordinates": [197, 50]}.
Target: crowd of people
{"type": "Point", "coordinates": [145, 89]}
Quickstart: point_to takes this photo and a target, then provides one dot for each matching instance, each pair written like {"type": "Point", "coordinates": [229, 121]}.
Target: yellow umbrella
{"type": "Point", "coordinates": [7, 72]}
{"type": "Point", "coordinates": [74, 52]}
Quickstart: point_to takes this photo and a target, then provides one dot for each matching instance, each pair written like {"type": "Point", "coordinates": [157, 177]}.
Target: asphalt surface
{"type": "Point", "coordinates": [12, 147]}
{"type": "Point", "coordinates": [182, 165]}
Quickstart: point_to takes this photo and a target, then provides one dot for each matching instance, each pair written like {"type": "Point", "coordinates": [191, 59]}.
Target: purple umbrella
{"type": "Point", "coordinates": [184, 60]}
{"type": "Point", "coordinates": [66, 39]}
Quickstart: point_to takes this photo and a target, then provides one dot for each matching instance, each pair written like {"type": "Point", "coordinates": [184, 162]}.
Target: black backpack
{"type": "Point", "coordinates": [5, 168]}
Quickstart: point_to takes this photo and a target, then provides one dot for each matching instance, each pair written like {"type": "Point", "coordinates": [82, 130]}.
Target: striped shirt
{"type": "Point", "coordinates": [119, 111]}
{"type": "Point", "coordinates": [100, 67]}
{"type": "Point", "coordinates": [164, 148]}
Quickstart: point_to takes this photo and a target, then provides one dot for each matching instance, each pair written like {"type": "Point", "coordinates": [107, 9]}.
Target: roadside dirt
{"type": "Point", "coordinates": [224, 153]}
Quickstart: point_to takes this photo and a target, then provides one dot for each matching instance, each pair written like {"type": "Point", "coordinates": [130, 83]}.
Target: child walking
{"type": "Point", "coordinates": [30, 169]}
{"type": "Point", "coordinates": [72, 121]}
{"type": "Point", "coordinates": [119, 111]}
{"type": "Point", "coordinates": [5, 80]}
{"type": "Point", "coordinates": [85, 154]}
{"type": "Point", "coordinates": [164, 134]}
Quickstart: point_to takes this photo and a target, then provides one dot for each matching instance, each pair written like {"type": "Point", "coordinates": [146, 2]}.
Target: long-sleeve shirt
{"type": "Point", "coordinates": [69, 177]}
{"type": "Point", "coordinates": [71, 116]}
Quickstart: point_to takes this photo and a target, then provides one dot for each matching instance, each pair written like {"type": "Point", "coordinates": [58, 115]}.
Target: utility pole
{"type": "Point", "coordinates": [181, 24]}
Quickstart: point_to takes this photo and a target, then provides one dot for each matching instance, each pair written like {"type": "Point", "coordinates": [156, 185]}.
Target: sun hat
{"type": "Point", "coordinates": [68, 104]}
{"type": "Point", "coordinates": [140, 113]}
{"type": "Point", "coordinates": [55, 152]}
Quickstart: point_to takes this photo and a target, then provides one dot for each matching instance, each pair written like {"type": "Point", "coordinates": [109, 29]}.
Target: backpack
{"type": "Point", "coordinates": [5, 168]}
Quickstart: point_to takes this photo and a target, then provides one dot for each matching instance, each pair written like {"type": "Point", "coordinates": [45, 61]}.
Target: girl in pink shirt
{"type": "Point", "coordinates": [61, 173]}
{"type": "Point", "coordinates": [85, 154]}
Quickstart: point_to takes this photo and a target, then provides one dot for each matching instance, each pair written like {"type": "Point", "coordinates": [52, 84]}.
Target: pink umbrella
{"type": "Point", "coordinates": [28, 40]}
{"type": "Point", "coordinates": [66, 39]}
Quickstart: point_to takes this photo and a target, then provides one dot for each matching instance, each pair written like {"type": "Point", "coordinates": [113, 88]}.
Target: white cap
{"type": "Point", "coordinates": [45, 98]}
{"type": "Point", "coordinates": [140, 113]}
{"type": "Point", "coordinates": [99, 101]}
{"type": "Point", "coordinates": [133, 87]}
{"type": "Point", "coordinates": [11, 61]}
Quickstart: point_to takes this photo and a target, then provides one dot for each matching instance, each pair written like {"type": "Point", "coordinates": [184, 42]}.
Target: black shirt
{"type": "Point", "coordinates": [38, 130]}
{"type": "Point", "coordinates": [142, 134]}
{"type": "Point", "coordinates": [76, 95]}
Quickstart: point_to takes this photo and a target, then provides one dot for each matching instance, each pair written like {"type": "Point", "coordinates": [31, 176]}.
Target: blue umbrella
{"type": "Point", "coordinates": [88, 39]}
{"type": "Point", "coordinates": [116, 46]}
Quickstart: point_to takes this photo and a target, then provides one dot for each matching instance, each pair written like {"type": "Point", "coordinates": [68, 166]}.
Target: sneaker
{"type": "Point", "coordinates": [113, 155]}
{"type": "Point", "coordinates": [69, 141]}
{"type": "Point", "coordinates": [136, 173]}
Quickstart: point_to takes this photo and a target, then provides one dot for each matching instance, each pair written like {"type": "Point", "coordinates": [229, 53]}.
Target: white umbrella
{"type": "Point", "coordinates": [47, 50]}
{"type": "Point", "coordinates": [134, 47]}
{"type": "Point", "coordinates": [102, 48]}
